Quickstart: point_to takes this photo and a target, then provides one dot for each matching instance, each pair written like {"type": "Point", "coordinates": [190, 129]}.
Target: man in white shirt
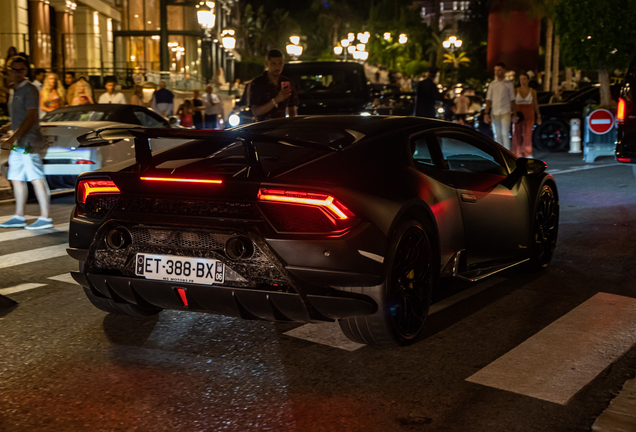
{"type": "Point", "coordinates": [211, 102]}
{"type": "Point", "coordinates": [38, 82]}
{"type": "Point", "coordinates": [501, 108]}
{"type": "Point", "coordinates": [112, 96]}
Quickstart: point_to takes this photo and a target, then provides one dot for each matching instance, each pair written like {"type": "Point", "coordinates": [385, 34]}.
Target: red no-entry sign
{"type": "Point", "coordinates": [601, 121]}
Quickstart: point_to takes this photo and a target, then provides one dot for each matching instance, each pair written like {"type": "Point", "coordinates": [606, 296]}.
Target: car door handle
{"type": "Point", "coordinates": [470, 198]}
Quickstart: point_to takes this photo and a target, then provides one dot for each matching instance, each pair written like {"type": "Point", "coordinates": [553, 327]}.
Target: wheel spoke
{"type": "Point", "coordinates": [409, 282]}
{"type": "Point", "coordinates": [546, 223]}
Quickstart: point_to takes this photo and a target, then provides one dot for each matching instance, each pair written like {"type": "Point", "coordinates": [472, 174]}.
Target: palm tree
{"type": "Point", "coordinates": [457, 60]}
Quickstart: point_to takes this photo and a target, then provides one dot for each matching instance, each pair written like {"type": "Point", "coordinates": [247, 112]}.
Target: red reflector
{"type": "Point", "coordinates": [84, 162]}
{"type": "Point", "coordinates": [181, 180]}
{"type": "Point", "coordinates": [627, 160]}
{"type": "Point", "coordinates": [620, 111]}
{"type": "Point", "coordinates": [95, 187]}
{"type": "Point", "coordinates": [182, 294]}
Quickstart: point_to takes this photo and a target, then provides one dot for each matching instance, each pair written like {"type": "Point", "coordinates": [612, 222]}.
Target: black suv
{"type": "Point", "coordinates": [554, 132]}
{"type": "Point", "coordinates": [626, 119]}
{"type": "Point", "coordinates": [322, 88]}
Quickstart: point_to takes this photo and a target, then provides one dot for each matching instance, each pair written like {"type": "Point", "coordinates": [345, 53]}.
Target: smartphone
{"type": "Point", "coordinates": [285, 85]}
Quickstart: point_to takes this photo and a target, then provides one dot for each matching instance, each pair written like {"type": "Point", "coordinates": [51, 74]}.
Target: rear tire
{"type": "Point", "coordinates": [405, 295]}
{"type": "Point", "coordinates": [545, 228]}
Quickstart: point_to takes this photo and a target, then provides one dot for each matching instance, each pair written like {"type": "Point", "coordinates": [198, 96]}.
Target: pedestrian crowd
{"type": "Point", "coordinates": [507, 108]}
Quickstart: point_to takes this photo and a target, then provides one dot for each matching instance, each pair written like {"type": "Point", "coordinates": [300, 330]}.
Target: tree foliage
{"type": "Point", "coordinates": [389, 16]}
{"type": "Point", "coordinates": [597, 35]}
{"type": "Point", "coordinates": [258, 32]}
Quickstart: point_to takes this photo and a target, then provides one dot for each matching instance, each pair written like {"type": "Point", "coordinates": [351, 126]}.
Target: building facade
{"type": "Point", "coordinates": [451, 13]}
{"type": "Point", "coordinates": [99, 38]}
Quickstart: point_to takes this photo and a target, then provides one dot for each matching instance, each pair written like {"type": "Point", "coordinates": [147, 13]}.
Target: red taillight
{"type": "Point", "coordinates": [95, 187]}
{"type": "Point", "coordinates": [305, 212]}
{"type": "Point", "coordinates": [181, 180]}
{"type": "Point", "coordinates": [626, 160]}
{"type": "Point", "coordinates": [84, 162]}
{"type": "Point", "coordinates": [620, 111]}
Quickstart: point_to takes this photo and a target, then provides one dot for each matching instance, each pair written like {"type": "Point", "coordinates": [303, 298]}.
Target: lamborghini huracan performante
{"type": "Point", "coordinates": [308, 219]}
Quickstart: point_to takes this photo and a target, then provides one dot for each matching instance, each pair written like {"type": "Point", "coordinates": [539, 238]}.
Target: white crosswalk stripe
{"type": "Point", "coordinates": [33, 255]}
{"type": "Point", "coordinates": [64, 277]}
{"type": "Point", "coordinates": [564, 357]}
{"type": "Point", "coordinates": [22, 233]}
{"type": "Point", "coordinates": [20, 288]}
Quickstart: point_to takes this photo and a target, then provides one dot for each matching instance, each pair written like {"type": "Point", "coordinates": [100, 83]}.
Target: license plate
{"type": "Point", "coordinates": [50, 139]}
{"type": "Point", "coordinates": [172, 268]}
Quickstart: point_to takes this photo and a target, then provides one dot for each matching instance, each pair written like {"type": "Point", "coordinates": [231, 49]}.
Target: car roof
{"type": "Point", "coordinates": [361, 125]}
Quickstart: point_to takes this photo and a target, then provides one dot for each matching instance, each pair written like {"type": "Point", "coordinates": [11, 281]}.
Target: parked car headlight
{"type": "Point", "coordinates": [234, 120]}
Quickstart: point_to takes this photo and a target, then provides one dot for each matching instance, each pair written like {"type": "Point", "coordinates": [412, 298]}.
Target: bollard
{"type": "Point", "coordinates": [575, 135]}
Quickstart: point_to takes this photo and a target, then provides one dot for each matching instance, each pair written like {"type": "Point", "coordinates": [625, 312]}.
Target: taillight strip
{"type": "Point", "coordinates": [181, 180]}
{"type": "Point", "coordinates": [89, 187]}
{"type": "Point", "coordinates": [327, 202]}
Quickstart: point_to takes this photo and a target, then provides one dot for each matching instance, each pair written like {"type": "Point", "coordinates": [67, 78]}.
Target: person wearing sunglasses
{"type": "Point", "coordinates": [27, 147]}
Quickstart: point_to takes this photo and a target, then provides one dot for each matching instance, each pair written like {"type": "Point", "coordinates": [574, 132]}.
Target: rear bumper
{"type": "Point", "coordinates": [231, 301]}
{"type": "Point", "coordinates": [625, 148]}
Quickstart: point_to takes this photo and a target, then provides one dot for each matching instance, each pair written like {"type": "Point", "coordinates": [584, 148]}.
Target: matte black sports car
{"type": "Point", "coordinates": [309, 219]}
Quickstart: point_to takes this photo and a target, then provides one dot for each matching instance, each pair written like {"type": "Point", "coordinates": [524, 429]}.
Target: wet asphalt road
{"type": "Point", "coordinates": [66, 366]}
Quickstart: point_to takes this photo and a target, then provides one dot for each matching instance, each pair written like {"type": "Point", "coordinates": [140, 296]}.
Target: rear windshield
{"type": "Point", "coordinates": [229, 158]}
{"type": "Point", "coordinates": [57, 116]}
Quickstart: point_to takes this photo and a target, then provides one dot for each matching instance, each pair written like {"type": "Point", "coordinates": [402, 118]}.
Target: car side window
{"type": "Point", "coordinates": [421, 152]}
{"type": "Point", "coordinates": [149, 121]}
{"type": "Point", "coordinates": [463, 156]}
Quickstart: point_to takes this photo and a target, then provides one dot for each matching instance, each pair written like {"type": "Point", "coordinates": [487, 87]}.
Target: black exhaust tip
{"type": "Point", "coordinates": [118, 238]}
{"type": "Point", "coordinates": [239, 248]}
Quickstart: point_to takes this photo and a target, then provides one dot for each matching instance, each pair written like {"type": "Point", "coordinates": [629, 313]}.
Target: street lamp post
{"type": "Point", "coordinates": [452, 43]}
{"type": "Point", "coordinates": [229, 43]}
{"type": "Point", "coordinates": [294, 49]}
{"type": "Point", "coordinates": [206, 19]}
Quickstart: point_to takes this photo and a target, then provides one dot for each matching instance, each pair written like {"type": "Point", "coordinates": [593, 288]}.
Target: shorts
{"type": "Point", "coordinates": [25, 167]}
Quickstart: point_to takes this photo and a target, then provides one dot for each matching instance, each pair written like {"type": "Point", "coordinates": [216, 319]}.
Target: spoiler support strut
{"type": "Point", "coordinates": [143, 155]}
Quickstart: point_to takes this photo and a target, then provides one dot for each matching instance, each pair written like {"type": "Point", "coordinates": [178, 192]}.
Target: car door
{"type": "Point", "coordinates": [496, 218]}
{"type": "Point", "coordinates": [435, 187]}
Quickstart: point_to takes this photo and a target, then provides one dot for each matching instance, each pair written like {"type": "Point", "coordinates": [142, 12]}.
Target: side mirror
{"type": "Point", "coordinates": [525, 166]}
{"type": "Point", "coordinates": [531, 166]}
{"type": "Point", "coordinates": [174, 121]}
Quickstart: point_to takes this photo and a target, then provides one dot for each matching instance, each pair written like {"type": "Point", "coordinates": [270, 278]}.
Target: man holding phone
{"type": "Point", "coordinates": [271, 94]}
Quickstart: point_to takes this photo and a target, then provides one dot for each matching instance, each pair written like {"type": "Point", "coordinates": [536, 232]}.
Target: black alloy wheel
{"type": "Point", "coordinates": [404, 297]}
{"type": "Point", "coordinates": [545, 228]}
{"type": "Point", "coordinates": [407, 295]}
{"type": "Point", "coordinates": [552, 135]}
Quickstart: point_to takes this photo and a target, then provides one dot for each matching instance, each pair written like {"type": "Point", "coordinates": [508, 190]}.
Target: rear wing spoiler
{"type": "Point", "coordinates": [143, 154]}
